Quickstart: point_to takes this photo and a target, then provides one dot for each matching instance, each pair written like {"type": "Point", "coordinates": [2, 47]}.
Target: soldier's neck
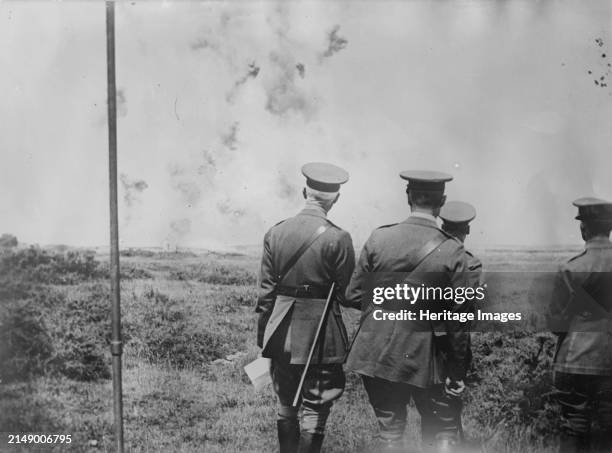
{"type": "Point", "coordinates": [423, 213]}
{"type": "Point", "coordinates": [598, 239]}
{"type": "Point", "coordinates": [316, 206]}
{"type": "Point", "coordinates": [419, 210]}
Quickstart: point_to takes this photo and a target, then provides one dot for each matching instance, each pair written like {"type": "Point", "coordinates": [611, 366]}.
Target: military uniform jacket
{"type": "Point", "coordinates": [581, 311]}
{"type": "Point", "coordinates": [287, 323]}
{"type": "Point", "coordinates": [475, 279]}
{"type": "Point", "coordinates": [402, 351]}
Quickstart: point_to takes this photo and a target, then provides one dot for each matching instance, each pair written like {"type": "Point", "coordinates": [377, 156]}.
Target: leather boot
{"type": "Point", "coordinates": [310, 443]}
{"type": "Point", "coordinates": [288, 435]}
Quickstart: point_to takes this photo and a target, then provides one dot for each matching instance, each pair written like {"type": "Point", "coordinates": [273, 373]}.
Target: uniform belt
{"type": "Point", "coordinates": [306, 291]}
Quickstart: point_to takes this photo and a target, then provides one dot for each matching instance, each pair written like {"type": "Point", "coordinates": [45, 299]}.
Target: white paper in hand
{"type": "Point", "coordinates": [259, 372]}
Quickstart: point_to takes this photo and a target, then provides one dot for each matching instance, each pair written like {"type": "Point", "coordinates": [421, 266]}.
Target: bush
{"type": "Point", "coordinates": [8, 241]}
{"type": "Point", "coordinates": [512, 382]}
{"type": "Point", "coordinates": [132, 252]}
{"type": "Point", "coordinates": [216, 274]}
{"type": "Point", "coordinates": [127, 271]}
{"type": "Point", "coordinates": [162, 255]}
{"type": "Point", "coordinates": [36, 265]}
{"type": "Point", "coordinates": [81, 334]}
{"type": "Point", "coordinates": [49, 333]}
{"type": "Point", "coordinates": [25, 345]}
{"type": "Point", "coordinates": [166, 333]}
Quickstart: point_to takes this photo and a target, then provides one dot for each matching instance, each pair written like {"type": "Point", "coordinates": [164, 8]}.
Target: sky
{"type": "Point", "coordinates": [220, 104]}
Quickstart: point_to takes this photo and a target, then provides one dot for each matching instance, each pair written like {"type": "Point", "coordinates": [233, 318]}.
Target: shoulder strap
{"type": "Point", "coordinates": [586, 301]}
{"type": "Point", "coordinates": [300, 251]}
{"type": "Point", "coordinates": [427, 249]}
{"type": "Point", "coordinates": [423, 253]}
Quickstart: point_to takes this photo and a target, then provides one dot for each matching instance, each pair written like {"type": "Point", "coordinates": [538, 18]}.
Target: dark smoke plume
{"type": "Point", "coordinates": [230, 138]}
{"type": "Point", "coordinates": [335, 42]}
{"type": "Point", "coordinates": [132, 189]}
{"type": "Point", "coordinates": [225, 207]}
{"type": "Point", "coordinates": [208, 167]}
{"type": "Point", "coordinates": [185, 184]}
{"type": "Point", "coordinates": [284, 95]}
{"type": "Point", "coordinates": [252, 72]}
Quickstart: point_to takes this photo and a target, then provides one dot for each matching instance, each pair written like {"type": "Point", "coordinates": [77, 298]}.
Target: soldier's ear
{"type": "Point", "coordinates": [442, 200]}
{"type": "Point", "coordinates": [337, 196]}
{"type": "Point", "coordinates": [304, 192]}
{"type": "Point", "coordinates": [409, 197]}
{"type": "Point", "coordinates": [584, 232]}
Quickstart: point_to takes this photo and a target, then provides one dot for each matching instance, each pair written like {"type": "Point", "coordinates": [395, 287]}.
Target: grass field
{"type": "Point", "coordinates": [189, 329]}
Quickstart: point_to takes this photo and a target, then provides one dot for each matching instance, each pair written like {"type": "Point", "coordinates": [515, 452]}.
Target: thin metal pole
{"type": "Point", "coordinates": [116, 344]}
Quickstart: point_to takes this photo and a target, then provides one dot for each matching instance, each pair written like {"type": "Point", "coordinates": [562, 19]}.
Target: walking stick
{"type": "Point", "coordinates": [314, 344]}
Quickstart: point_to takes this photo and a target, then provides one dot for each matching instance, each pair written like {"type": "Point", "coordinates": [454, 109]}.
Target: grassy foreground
{"type": "Point", "coordinates": [189, 330]}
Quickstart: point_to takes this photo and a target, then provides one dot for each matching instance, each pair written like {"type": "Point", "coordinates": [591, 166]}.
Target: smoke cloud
{"type": "Point", "coordinates": [178, 230]}
{"type": "Point", "coordinates": [335, 42]}
{"type": "Point", "coordinates": [183, 181]}
{"type": "Point", "coordinates": [121, 103]}
{"type": "Point", "coordinates": [228, 99]}
{"type": "Point", "coordinates": [252, 72]}
{"type": "Point", "coordinates": [132, 194]}
{"type": "Point", "coordinates": [230, 138]}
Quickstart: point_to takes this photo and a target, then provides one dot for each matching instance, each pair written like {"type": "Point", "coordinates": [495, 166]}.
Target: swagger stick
{"type": "Point", "coordinates": [314, 344]}
{"type": "Point", "coordinates": [116, 344]}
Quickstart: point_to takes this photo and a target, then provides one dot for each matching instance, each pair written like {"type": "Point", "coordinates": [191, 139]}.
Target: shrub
{"type": "Point", "coordinates": [512, 382]}
{"type": "Point", "coordinates": [166, 332]}
{"type": "Point", "coordinates": [216, 274]}
{"type": "Point", "coordinates": [25, 345]}
{"type": "Point", "coordinates": [128, 271]}
{"type": "Point", "coordinates": [8, 241]}
{"type": "Point", "coordinates": [37, 265]}
{"type": "Point", "coordinates": [49, 333]}
{"type": "Point", "coordinates": [81, 334]}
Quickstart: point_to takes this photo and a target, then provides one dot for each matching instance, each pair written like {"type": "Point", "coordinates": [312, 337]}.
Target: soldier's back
{"type": "Point", "coordinates": [393, 248]}
{"type": "Point", "coordinates": [315, 266]}
{"type": "Point", "coordinates": [400, 350]}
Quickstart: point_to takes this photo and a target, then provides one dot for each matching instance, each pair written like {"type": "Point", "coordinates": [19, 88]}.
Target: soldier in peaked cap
{"type": "Point", "coordinates": [456, 217]}
{"type": "Point", "coordinates": [302, 257]}
{"type": "Point", "coordinates": [395, 358]}
{"type": "Point", "coordinates": [580, 314]}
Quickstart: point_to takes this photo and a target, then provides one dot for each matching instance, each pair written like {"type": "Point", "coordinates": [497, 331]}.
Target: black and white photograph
{"type": "Point", "coordinates": [306, 226]}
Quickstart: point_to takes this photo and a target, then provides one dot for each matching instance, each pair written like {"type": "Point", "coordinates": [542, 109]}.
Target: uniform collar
{"type": "Point", "coordinates": [598, 243]}
{"type": "Point", "coordinates": [424, 216]}
{"type": "Point", "coordinates": [419, 218]}
{"type": "Point", "coordinates": [313, 210]}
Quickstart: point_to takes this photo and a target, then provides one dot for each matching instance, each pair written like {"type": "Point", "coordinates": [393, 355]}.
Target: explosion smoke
{"type": "Point", "coordinates": [121, 103]}
{"type": "Point", "coordinates": [230, 138]}
{"type": "Point", "coordinates": [252, 72]}
{"type": "Point", "coordinates": [183, 183]}
{"type": "Point", "coordinates": [132, 190]}
{"type": "Point", "coordinates": [335, 42]}
{"type": "Point", "coordinates": [178, 230]}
